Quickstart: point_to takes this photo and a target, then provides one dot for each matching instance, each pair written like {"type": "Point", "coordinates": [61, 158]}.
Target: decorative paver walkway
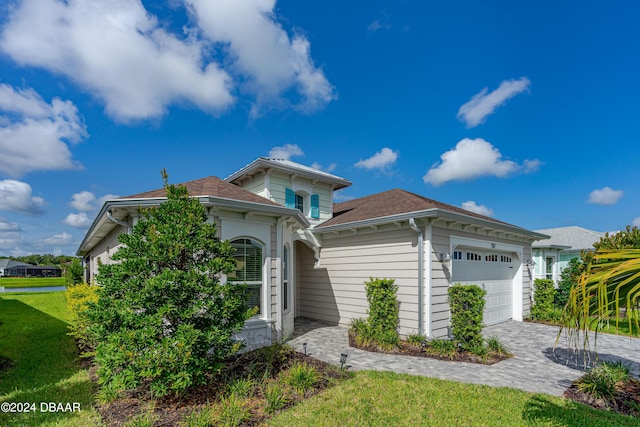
{"type": "Point", "coordinates": [535, 367]}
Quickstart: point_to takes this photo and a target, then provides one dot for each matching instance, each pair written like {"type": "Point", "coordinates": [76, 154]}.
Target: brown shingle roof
{"type": "Point", "coordinates": [389, 203]}
{"type": "Point", "coordinates": [210, 186]}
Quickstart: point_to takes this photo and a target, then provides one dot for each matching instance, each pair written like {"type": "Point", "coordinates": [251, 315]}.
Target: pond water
{"type": "Point", "coordinates": [42, 289]}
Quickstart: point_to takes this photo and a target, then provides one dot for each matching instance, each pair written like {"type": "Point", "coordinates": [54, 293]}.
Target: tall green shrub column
{"type": "Point", "coordinates": [383, 310]}
{"type": "Point", "coordinates": [543, 295]}
{"type": "Point", "coordinates": [467, 309]}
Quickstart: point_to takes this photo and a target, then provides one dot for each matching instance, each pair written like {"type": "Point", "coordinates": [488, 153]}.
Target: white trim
{"type": "Point", "coordinates": [428, 250]}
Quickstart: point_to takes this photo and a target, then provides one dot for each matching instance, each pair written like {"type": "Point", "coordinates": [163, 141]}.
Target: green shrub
{"type": "Point", "coordinates": [302, 377]}
{"type": "Point", "coordinates": [544, 292]}
{"type": "Point", "coordinates": [568, 279]}
{"type": "Point", "coordinates": [361, 332]}
{"type": "Point", "coordinates": [494, 345]}
{"type": "Point", "coordinates": [199, 418]}
{"type": "Point", "coordinates": [78, 299]}
{"type": "Point", "coordinates": [163, 318]}
{"type": "Point", "coordinates": [241, 387]}
{"type": "Point", "coordinates": [234, 411]}
{"type": "Point", "coordinates": [383, 310]}
{"type": "Point", "coordinates": [74, 273]}
{"type": "Point", "coordinates": [600, 382]}
{"type": "Point", "coordinates": [276, 396]}
{"type": "Point", "coordinates": [443, 348]}
{"type": "Point", "coordinates": [467, 310]}
{"type": "Point", "coordinates": [416, 339]}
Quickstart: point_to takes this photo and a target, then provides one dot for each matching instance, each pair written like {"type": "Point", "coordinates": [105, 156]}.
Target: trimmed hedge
{"type": "Point", "coordinates": [467, 312]}
{"type": "Point", "coordinates": [544, 293]}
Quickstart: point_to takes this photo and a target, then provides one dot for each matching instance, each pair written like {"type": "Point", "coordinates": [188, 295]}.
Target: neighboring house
{"type": "Point", "coordinates": [304, 255]}
{"type": "Point", "coordinates": [11, 268]}
{"type": "Point", "coordinates": [565, 243]}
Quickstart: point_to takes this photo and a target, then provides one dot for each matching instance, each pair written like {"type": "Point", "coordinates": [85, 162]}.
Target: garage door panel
{"type": "Point", "coordinates": [495, 277]}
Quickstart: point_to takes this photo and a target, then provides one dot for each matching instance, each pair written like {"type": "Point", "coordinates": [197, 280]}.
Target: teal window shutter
{"type": "Point", "coordinates": [315, 206]}
{"type": "Point", "coordinates": [289, 198]}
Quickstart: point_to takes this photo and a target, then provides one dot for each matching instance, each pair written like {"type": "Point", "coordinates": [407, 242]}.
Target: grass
{"type": "Point", "coordinates": [45, 366]}
{"type": "Point", "coordinates": [31, 282]}
{"type": "Point", "coordinates": [384, 398]}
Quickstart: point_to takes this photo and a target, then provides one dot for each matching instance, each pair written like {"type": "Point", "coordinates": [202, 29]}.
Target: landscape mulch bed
{"type": "Point", "coordinates": [626, 400]}
{"type": "Point", "coordinates": [408, 349]}
{"type": "Point", "coordinates": [171, 411]}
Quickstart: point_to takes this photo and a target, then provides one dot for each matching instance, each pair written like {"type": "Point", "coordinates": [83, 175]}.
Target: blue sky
{"type": "Point", "coordinates": [524, 111]}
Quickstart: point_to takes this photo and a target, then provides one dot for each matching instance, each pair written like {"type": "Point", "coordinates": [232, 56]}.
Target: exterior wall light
{"type": "Point", "coordinates": [444, 257]}
{"type": "Point", "coordinates": [530, 263]}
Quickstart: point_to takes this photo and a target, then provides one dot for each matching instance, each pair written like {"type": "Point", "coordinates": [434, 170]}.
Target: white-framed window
{"type": "Point", "coordinates": [472, 256]}
{"type": "Point", "coordinates": [550, 261]}
{"type": "Point", "coordinates": [299, 202]}
{"type": "Point", "coordinates": [457, 255]}
{"type": "Point", "coordinates": [248, 270]}
{"type": "Point", "coordinates": [285, 278]}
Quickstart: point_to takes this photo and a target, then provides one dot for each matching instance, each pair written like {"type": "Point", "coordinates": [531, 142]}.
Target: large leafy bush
{"type": "Point", "coordinates": [467, 312]}
{"type": "Point", "coordinates": [163, 318]}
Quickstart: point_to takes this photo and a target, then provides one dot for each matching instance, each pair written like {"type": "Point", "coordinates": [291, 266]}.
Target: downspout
{"type": "Point", "coordinates": [414, 227]}
{"type": "Point", "coordinates": [119, 222]}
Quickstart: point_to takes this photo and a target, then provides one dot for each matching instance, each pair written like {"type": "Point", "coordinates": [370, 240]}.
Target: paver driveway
{"type": "Point", "coordinates": [535, 366]}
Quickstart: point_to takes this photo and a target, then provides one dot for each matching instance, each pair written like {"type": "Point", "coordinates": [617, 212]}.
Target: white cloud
{"type": "Point", "coordinates": [34, 134]}
{"type": "Point", "coordinates": [261, 49]}
{"type": "Point", "coordinates": [483, 103]}
{"type": "Point", "coordinates": [531, 166]}
{"type": "Point", "coordinates": [60, 239]}
{"type": "Point", "coordinates": [382, 160]}
{"type": "Point", "coordinates": [87, 201]}
{"type": "Point", "coordinates": [125, 57]}
{"type": "Point", "coordinates": [10, 239]}
{"type": "Point", "coordinates": [16, 196]}
{"type": "Point", "coordinates": [6, 225]}
{"type": "Point", "coordinates": [328, 169]}
{"type": "Point", "coordinates": [80, 220]}
{"type": "Point", "coordinates": [471, 206]}
{"type": "Point", "coordinates": [119, 53]}
{"type": "Point", "coordinates": [473, 158]}
{"type": "Point", "coordinates": [605, 196]}
{"type": "Point", "coordinates": [286, 151]}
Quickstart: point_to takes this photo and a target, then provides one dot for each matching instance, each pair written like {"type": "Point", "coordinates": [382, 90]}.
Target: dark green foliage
{"type": "Point", "coordinates": [74, 273]}
{"type": "Point", "coordinates": [381, 328]}
{"type": "Point", "coordinates": [383, 309]}
{"type": "Point", "coordinates": [544, 291]}
{"type": "Point", "coordinates": [568, 279]}
{"type": "Point", "coordinates": [467, 308]}
{"type": "Point", "coordinates": [163, 318]}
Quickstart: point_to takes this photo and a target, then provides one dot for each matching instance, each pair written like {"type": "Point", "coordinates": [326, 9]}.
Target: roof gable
{"type": "Point", "coordinates": [263, 164]}
{"type": "Point", "coordinates": [390, 203]}
{"type": "Point", "coordinates": [211, 186]}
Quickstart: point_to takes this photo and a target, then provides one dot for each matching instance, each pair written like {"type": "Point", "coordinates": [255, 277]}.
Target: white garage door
{"type": "Point", "coordinates": [493, 271]}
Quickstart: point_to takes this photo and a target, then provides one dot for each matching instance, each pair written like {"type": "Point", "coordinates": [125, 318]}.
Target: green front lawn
{"type": "Point", "coordinates": [45, 368]}
{"type": "Point", "coordinates": [389, 399]}
{"type": "Point", "coordinates": [44, 362]}
{"type": "Point", "coordinates": [31, 282]}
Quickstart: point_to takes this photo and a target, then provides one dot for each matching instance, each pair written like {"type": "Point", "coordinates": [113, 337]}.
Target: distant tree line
{"type": "Point", "coordinates": [46, 259]}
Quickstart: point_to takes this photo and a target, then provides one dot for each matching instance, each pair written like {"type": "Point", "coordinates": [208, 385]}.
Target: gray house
{"type": "Point", "coordinates": [565, 243]}
{"type": "Point", "coordinates": [310, 257]}
{"type": "Point", "coordinates": [11, 268]}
